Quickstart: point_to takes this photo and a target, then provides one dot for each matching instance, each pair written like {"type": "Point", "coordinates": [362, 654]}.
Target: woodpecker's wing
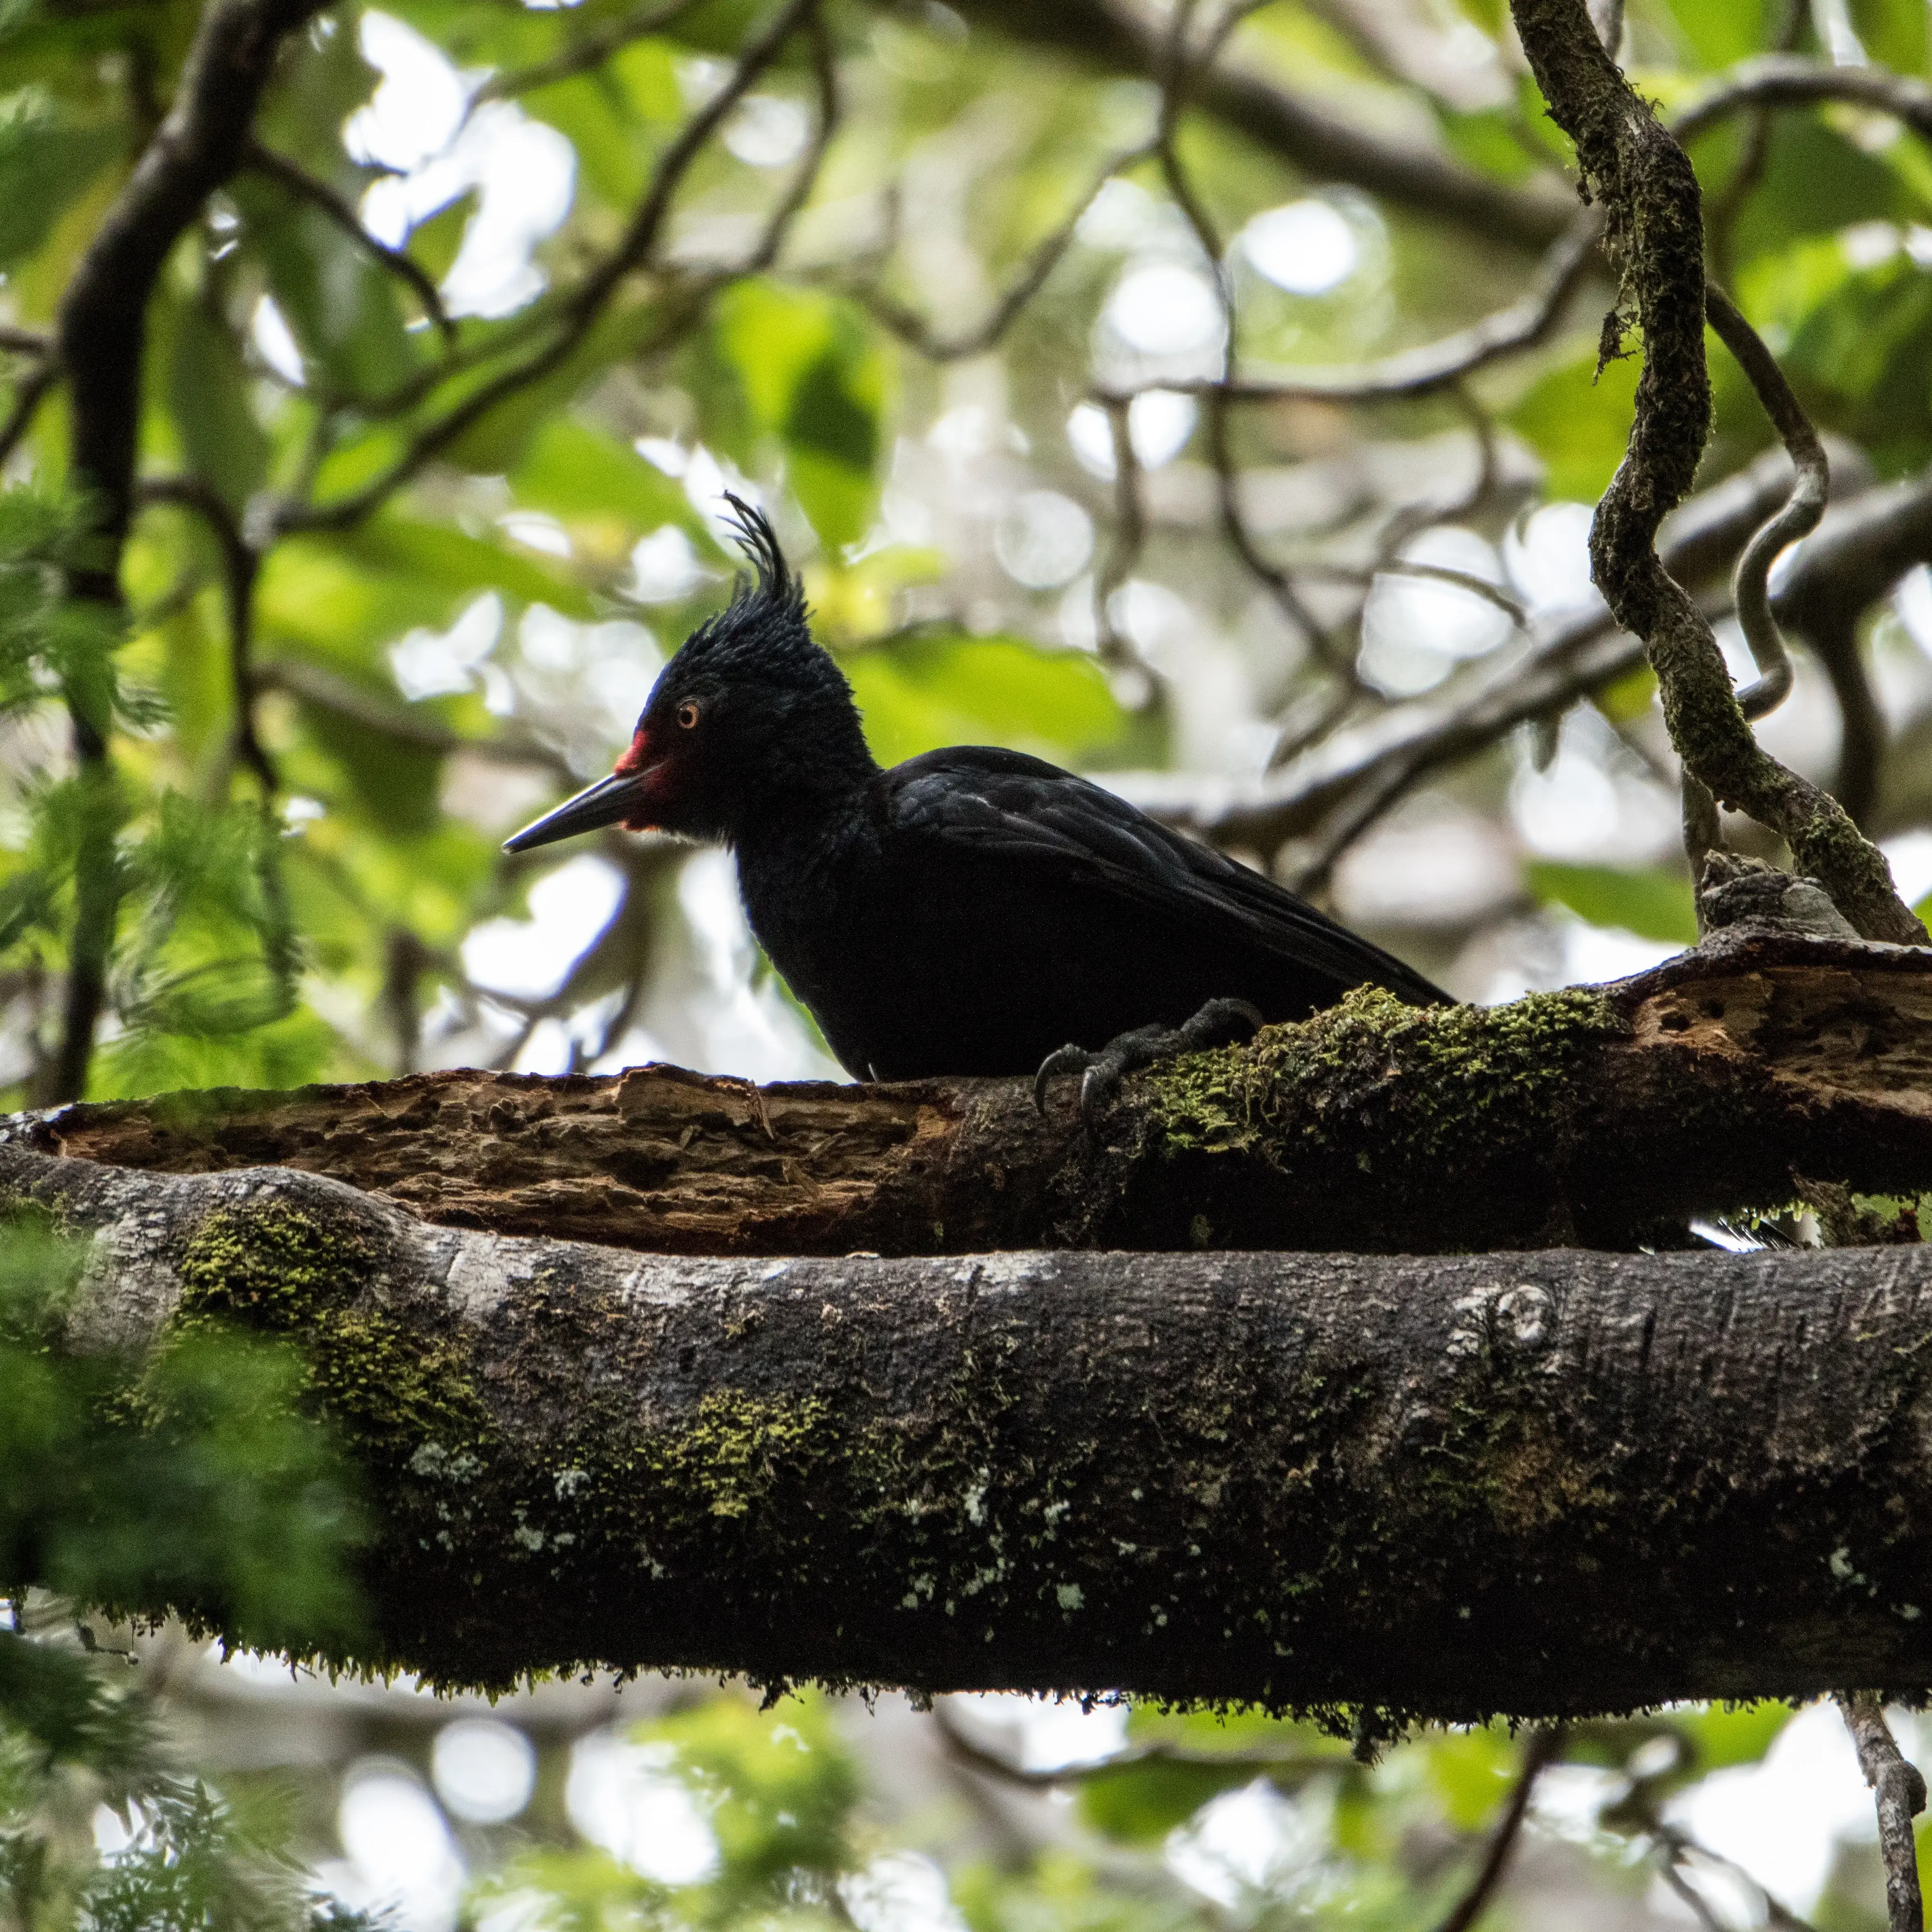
{"type": "Point", "coordinates": [972, 801]}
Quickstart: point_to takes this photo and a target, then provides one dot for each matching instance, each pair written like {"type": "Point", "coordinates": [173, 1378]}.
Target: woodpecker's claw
{"type": "Point", "coordinates": [1219, 1023]}
{"type": "Point", "coordinates": [1068, 1059]}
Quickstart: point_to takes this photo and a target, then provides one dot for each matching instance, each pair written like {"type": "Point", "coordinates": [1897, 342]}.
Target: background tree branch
{"type": "Point", "coordinates": [1539, 1483]}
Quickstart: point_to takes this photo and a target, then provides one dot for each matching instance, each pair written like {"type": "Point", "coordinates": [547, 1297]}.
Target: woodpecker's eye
{"type": "Point", "coordinates": [687, 713]}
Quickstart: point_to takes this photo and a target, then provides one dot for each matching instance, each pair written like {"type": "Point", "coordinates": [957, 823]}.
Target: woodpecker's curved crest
{"type": "Point", "coordinates": [748, 711]}
{"type": "Point", "coordinates": [765, 614]}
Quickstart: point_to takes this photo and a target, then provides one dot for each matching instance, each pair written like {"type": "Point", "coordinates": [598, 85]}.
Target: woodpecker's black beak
{"type": "Point", "coordinates": [607, 803]}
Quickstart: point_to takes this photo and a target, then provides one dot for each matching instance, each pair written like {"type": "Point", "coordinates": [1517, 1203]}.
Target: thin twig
{"type": "Point", "coordinates": [917, 333]}
{"type": "Point", "coordinates": [1539, 1749]}
{"type": "Point", "coordinates": [1436, 365]}
{"type": "Point", "coordinates": [319, 195]}
{"type": "Point", "coordinates": [1583, 653]}
{"type": "Point", "coordinates": [1676, 1846]}
{"type": "Point", "coordinates": [1439, 573]}
{"type": "Point", "coordinates": [1791, 80]}
{"type": "Point", "coordinates": [582, 55]}
{"type": "Point", "coordinates": [572, 319]}
{"type": "Point", "coordinates": [1293, 1760]}
{"type": "Point", "coordinates": [804, 177]}
{"type": "Point", "coordinates": [354, 704]}
{"type": "Point", "coordinates": [1130, 536]}
{"type": "Point", "coordinates": [1798, 517]}
{"type": "Point", "coordinates": [1703, 834]}
{"type": "Point", "coordinates": [1277, 579]}
{"type": "Point", "coordinates": [240, 564]}
{"type": "Point", "coordinates": [30, 392]}
{"type": "Point", "coordinates": [1721, 215]}
{"type": "Point", "coordinates": [1900, 1794]}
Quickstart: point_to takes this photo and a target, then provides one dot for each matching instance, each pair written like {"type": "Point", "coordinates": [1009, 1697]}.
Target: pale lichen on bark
{"type": "Point", "coordinates": [1541, 1484]}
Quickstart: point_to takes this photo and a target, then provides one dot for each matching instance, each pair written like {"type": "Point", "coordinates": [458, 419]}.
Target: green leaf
{"type": "Point", "coordinates": [1816, 182]}
{"type": "Point", "coordinates": [1719, 32]}
{"type": "Point", "coordinates": [494, 444]}
{"type": "Point", "coordinates": [779, 1785]}
{"type": "Point", "coordinates": [208, 395]}
{"type": "Point", "coordinates": [299, 1048]}
{"type": "Point", "coordinates": [1860, 358]}
{"type": "Point", "coordinates": [1734, 1734]}
{"type": "Point", "coordinates": [919, 693]}
{"type": "Point", "coordinates": [1893, 33]}
{"type": "Point", "coordinates": [346, 598]}
{"type": "Point", "coordinates": [606, 494]}
{"type": "Point", "coordinates": [1473, 1771]}
{"type": "Point", "coordinates": [1487, 140]}
{"type": "Point", "coordinates": [1579, 422]}
{"type": "Point", "coordinates": [343, 309]}
{"type": "Point", "coordinates": [1140, 1804]}
{"type": "Point", "coordinates": [396, 783]}
{"type": "Point", "coordinates": [1653, 905]}
{"type": "Point", "coordinates": [433, 242]}
{"type": "Point", "coordinates": [590, 111]}
{"type": "Point", "coordinates": [46, 165]}
{"type": "Point", "coordinates": [812, 373]}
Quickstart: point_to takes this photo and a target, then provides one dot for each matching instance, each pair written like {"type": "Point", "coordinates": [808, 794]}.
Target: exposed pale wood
{"type": "Point", "coordinates": [1730, 1070]}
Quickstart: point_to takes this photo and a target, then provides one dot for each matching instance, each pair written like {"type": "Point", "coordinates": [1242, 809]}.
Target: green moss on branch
{"type": "Point", "coordinates": [1405, 1083]}
{"type": "Point", "coordinates": [294, 1272]}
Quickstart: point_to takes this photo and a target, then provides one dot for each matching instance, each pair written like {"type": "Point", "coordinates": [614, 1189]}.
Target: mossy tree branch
{"type": "Point", "coordinates": [1606, 1116]}
{"type": "Point", "coordinates": [1544, 1483]}
{"type": "Point", "coordinates": [1653, 232]}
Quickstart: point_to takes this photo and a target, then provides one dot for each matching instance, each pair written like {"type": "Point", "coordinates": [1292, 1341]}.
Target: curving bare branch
{"type": "Point", "coordinates": [1791, 80]}
{"type": "Point", "coordinates": [1798, 517]}
{"type": "Point", "coordinates": [240, 564]}
{"type": "Point", "coordinates": [1901, 1793]}
{"type": "Point", "coordinates": [1654, 235]}
{"type": "Point", "coordinates": [562, 326]}
{"type": "Point", "coordinates": [319, 195]}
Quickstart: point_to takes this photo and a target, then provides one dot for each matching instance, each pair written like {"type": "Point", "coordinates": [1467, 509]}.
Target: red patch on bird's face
{"type": "Point", "coordinates": [652, 770]}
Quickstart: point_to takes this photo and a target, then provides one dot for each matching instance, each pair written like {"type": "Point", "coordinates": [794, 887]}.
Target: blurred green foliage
{"type": "Point", "coordinates": [272, 930]}
{"type": "Point", "coordinates": [270, 933]}
{"type": "Point", "coordinates": [1653, 905]}
{"type": "Point", "coordinates": [799, 1836]}
{"type": "Point", "coordinates": [186, 1476]}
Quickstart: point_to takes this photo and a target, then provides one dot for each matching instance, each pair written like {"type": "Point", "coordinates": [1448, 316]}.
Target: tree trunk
{"type": "Point", "coordinates": [1539, 1483]}
{"type": "Point", "coordinates": [1598, 1117]}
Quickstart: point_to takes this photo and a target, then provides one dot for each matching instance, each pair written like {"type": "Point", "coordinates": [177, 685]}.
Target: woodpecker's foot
{"type": "Point", "coordinates": [1219, 1023]}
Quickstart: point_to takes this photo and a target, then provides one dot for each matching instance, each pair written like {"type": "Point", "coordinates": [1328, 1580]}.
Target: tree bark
{"type": "Point", "coordinates": [1542, 1484]}
{"type": "Point", "coordinates": [1597, 1117]}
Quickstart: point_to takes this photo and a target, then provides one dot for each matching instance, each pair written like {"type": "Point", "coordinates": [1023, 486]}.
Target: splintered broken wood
{"type": "Point", "coordinates": [1721, 1076]}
